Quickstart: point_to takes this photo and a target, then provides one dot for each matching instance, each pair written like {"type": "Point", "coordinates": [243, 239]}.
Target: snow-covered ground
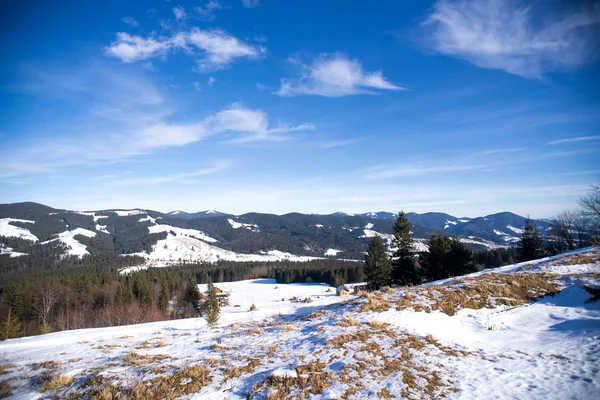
{"type": "Point", "coordinates": [380, 345]}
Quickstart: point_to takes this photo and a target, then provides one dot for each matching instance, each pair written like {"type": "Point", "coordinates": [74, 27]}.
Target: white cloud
{"type": "Point", "coordinates": [574, 140]}
{"type": "Point", "coordinates": [334, 75]}
{"type": "Point", "coordinates": [517, 37]}
{"type": "Point", "coordinates": [220, 48]}
{"type": "Point", "coordinates": [130, 21]}
{"type": "Point", "coordinates": [207, 10]}
{"type": "Point", "coordinates": [215, 49]}
{"type": "Point", "coordinates": [181, 177]}
{"type": "Point", "coordinates": [250, 3]}
{"type": "Point", "coordinates": [211, 81]}
{"type": "Point", "coordinates": [197, 86]}
{"type": "Point", "coordinates": [179, 13]}
{"type": "Point", "coordinates": [129, 48]}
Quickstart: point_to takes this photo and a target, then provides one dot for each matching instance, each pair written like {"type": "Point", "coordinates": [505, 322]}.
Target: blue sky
{"type": "Point", "coordinates": [277, 106]}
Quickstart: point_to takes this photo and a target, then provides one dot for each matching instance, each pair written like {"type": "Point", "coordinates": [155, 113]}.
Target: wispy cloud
{"type": "Point", "coordinates": [574, 140]}
{"type": "Point", "coordinates": [211, 81]}
{"type": "Point", "coordinates": [181, 177]}
{"type": "Point", "coordinates": [127, 117]}
{"type": "Point", "coordinates": [499, 151]}
{"type": "Point", "coordinates": [251, 3]}
{"type": "Point", "coordinates": [514, 36]}
{"type": "Point", "coordinates": [334, 75]}
{"type": "Point", "coordinates": [130, 21]}
{"type": "Point", "coordinates": [207, 10]}
{"type": "Point", "coordinates": [595, 171]}
{"type": "Point", "coordinates": [339, 143]}
{"type": "Point", "coordinates": [418, 169]}
{"type": "Point", "coordinates": [179, 13]}
{"type": "Point", "coordinates": [213, 49]}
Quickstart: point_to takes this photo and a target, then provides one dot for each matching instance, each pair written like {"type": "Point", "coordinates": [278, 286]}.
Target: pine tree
{"type": "Point", "coordinates": [461, 260]}
{"type": "Point", "coordinates": [210, 309]}
{"type": "Point", "coordinates": [163, 297]}
{"type": "Point", "coordinates": [377, 265]}
{"type": "Point", "coordinates": [432, 262]}
{"type": "Point", "coordinates": [531, 246]}
{"type": "Point", "coordinates": [11, 326]}
{"type": "Point", "coordinates": [447, 257]}
{"type": "Point", "coordinates": [404, 257]}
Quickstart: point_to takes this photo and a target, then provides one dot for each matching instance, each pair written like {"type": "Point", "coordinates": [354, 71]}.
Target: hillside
{"type": "Point", "coordinates": [30, 228]}
{"type": "Point", "coordinates": [523, 331]}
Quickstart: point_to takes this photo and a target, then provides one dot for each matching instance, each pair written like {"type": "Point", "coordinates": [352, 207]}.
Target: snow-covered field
{"type": "Point", "coordinates": [395, 343]}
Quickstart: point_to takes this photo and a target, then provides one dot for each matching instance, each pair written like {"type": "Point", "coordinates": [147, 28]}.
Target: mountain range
{"type": "Point", "coordinates": [210, 236]}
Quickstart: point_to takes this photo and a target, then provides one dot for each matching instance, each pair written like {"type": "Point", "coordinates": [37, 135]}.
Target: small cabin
{"type": "Point", "coordinates": [342, 291]}
{"type": "Point", "coordinates": [222, 297]}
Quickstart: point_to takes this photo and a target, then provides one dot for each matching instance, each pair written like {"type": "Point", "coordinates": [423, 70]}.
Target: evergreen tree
{"type": "Point", "coordinates": [210, 309]}
{"type": "Point", "coordinates": [11, 326]}
{"type": "Point", "coordinates": [432, 262]}
{"type": "Point", "coordinates": [192, 294]}
{"type": "Point", "coordinates": [461, 260]}
{"type": "Point", "coordinates": [377, 265]}
{"type": "Point", "coordinates": [531, 246]}
{"type": "Point", "coordinates": [404, 258]}
{"type": "Point", "coordinates": [163, 297]}
{"type": "Point", "coordinates": [447, 257]}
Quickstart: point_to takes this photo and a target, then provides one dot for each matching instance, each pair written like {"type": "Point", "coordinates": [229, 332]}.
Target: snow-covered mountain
{"type": "Point", "coordinates": [200, 214]}
{"type": "Point", "coordinates": [533, 336]}
{"type": "Point", "coordinates": [26, 228]}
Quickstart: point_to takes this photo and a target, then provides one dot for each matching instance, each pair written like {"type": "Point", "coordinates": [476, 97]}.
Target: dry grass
{"type": "Point", "coordinates": [484, 291]}
{"type": "Point", "coordinates": [49, 365]}
{"type": "Point", "coordinates": [5, 389]}
{"type": "Point", "coordinates": [5, 367]}
{"type": "Point", "coordinates": [253, 307]}
{"type": "Point", "coordinates": [255, 331]}
{"type": "Point", "coordinates": [314, 314]}
{"type": "Point", "coordinates": [348, 321]}
{"type": "Point", "coordinates": [376, 302]}
{"type": "Point", "coordinates": [310, 379]}
{"type": "Point", "coordinates": [56, 382]}
{"type": "Point", "coordinates": [182, 382]}
{"type": "Point", "coordinates": [135, 359]}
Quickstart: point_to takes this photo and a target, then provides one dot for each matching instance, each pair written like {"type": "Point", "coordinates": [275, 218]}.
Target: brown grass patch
{"type": "Point", "coordinates": [5, 389]}
{"type": "Point", "coordinates": [56, 382]}
{"type": "Point", "coordinates": [5, 367]}
{"type": "Point", "coordinates": [348, 321]}
{"type": "Point", "coordinates": [376, 302]}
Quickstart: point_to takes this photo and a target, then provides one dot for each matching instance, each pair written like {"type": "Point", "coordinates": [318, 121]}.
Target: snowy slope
{"type": "Point", "coordinates": [74, 248]}
{"type": "Point", "coordinates": [189, 245]}
{"type": "Point", "coordinates": [8, 230]}
{"type": "Point", "coordinates": [373, 346]}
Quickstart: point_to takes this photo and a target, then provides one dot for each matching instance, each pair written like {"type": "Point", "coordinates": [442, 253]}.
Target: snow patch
{"type": "Point", "coordinates": [333, 252]}
{"type": "Point", "coordinates": [128, 213]}
{"type": "Point", "coordinates": [237, 225]}
{"type": "Point", "coordinates": [74, 248]}
{"type": "Point", "coordinates": [9, 250]}
{"type": "Point", "coordinates": [181, 232]}
{"type": "Point", "coordinates": [369, 226]}
{"type": "Point", "coordinates": [514, 229]}
{"type": "Point", "coordinates": [8, 230]}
